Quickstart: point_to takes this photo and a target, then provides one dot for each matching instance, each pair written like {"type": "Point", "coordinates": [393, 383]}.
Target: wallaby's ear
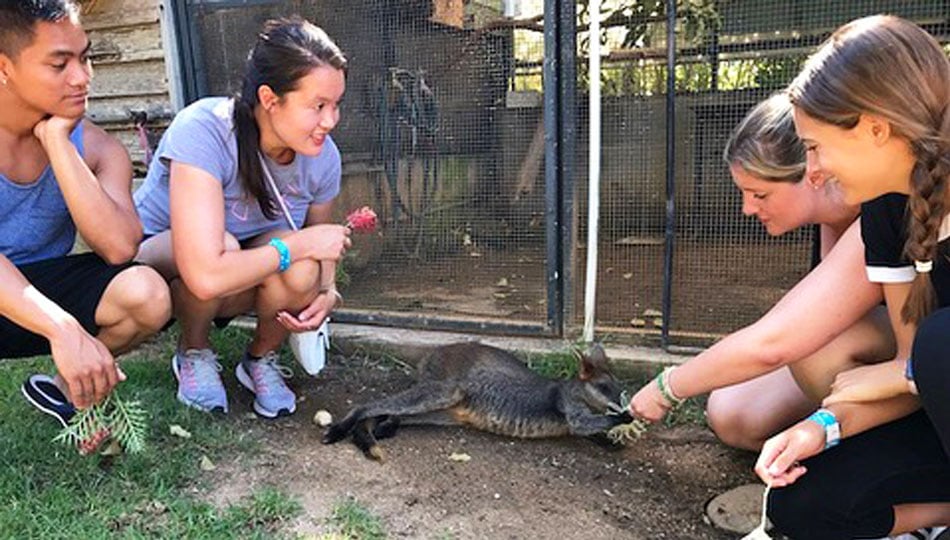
{"type": "Point", "coordinates": [592, 363]}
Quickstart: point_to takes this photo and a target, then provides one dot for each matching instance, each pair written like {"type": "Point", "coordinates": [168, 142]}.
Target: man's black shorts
{"type": "Point", "coordinates": [76, 283]}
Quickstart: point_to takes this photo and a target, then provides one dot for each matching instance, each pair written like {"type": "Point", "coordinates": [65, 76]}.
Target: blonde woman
{"type": "Point", "coordinates": [768, 375]}
{"type": "Point", "coordinates": [872, 109]}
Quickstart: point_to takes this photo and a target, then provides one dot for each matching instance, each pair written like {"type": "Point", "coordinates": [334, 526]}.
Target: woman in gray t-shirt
{"type": "Point", "coordinates": [219, 233]}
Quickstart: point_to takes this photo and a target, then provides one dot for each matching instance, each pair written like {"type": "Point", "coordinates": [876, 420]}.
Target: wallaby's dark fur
{"type": "Point", "coordinates": [492, 390]}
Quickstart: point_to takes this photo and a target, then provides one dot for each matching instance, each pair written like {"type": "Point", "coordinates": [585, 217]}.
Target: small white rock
{"type": "Point", "coordinates": [323, 418]}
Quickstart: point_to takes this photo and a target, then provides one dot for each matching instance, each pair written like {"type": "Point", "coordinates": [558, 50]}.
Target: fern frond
{"type": "Point", "coordinates": [126, 422]}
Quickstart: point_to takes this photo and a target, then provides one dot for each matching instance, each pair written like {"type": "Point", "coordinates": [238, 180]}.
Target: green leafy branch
{"type": "Point", "coordinates": [629, 432]}
{"type": "Point", "coordinates": [126, 422]}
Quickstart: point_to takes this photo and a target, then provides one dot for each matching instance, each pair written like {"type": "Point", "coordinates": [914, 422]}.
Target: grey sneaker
{"type": "Point", "coordinates": [265, 377]}
{"type": "Point", "coordinates": [199, 380]}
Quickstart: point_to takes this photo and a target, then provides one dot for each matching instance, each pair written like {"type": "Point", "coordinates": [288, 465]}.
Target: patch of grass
{"type": "Point", "coordinates": [557, 365]}
{"type": "Point", "coordinates": [353, 521]}
{"type": "Point", "coordinates": [47, 490]}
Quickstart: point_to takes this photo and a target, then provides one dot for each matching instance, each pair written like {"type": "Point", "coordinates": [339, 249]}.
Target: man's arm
{"type": "Point", "coordinates": [83, 362]}
{"type": "Point", "coordinates": [97, 190]}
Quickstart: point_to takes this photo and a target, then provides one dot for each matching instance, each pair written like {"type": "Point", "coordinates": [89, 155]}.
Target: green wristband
{"type": "Point", "coordinates": [662, 381]}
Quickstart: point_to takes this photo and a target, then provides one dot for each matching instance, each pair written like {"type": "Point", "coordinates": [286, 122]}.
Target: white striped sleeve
{"type": "Point", "coordinates": [890, 274]}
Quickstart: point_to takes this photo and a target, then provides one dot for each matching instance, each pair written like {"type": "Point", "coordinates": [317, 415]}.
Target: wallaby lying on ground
{"type": "Point", "coordinates": [492, 390]}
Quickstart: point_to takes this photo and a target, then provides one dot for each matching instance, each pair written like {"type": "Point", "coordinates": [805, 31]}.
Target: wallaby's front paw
{"type": "Point", "coordinates": [622, 418]}
{"type": "Point", "coordinates": [334, 434]}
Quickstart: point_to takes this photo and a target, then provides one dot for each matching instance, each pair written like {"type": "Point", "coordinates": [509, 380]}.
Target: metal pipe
{"type": "Point", "coordinates": [670, 169]}
{"type": "Point", "coordinates": [593, 176]}
{"type": "Point", "coordinates": [551, 151]}
{"type": "Point", "coordinates": [567, 81]}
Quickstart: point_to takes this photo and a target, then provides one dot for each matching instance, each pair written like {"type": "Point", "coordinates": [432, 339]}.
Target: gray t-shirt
{"type": "Point", "coordinates": [202, 135]}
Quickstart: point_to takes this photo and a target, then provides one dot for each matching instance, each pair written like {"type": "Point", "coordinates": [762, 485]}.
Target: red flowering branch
{"type": "Point", "coordinates": [362, 220]}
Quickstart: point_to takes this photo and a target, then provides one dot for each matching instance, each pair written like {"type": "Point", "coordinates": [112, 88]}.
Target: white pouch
{"type": "Point", "coordinates": [310, 348]}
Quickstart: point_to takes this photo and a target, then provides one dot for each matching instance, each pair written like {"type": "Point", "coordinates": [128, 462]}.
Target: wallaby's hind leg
{"type": "Point", "coordinates": [367, 432]}
{"type": "Point", "coordinates": [424, 397]}
{"type": "Point", "coordinates": [386, 427]}
{"type": "Point", "coordinates": [364, 439]}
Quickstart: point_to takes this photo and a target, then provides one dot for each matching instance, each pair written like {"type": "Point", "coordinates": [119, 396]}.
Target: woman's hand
{"type": "Point", "coordinates": [649, 404]}
{"type": "Point", "coordinates": [313, 315]}
{"type": "Point", "coordinates": [868, 383]}
{"type": "Point", "coordinates": [778, 464]}
{"type": "Point", "coordinates": [324, 242]}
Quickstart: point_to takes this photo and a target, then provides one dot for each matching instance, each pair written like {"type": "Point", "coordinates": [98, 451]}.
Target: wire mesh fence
{"type": "Point", "coordinates": [443, 131]}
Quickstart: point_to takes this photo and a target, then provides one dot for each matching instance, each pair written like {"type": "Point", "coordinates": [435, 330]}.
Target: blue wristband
{"type": "Point", "coordinates": [827, 420]}
{"type": "Point", "coordinates": [283, 251]}
{"type": "Point", "coordinates": [909, 375]}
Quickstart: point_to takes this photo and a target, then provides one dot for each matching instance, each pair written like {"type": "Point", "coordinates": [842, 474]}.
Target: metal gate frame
{"type": "Point", "coordinates": [560, 143]}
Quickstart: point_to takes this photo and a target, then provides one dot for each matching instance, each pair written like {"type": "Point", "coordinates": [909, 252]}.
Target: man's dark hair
{"type": "Point", "coordinates": [18, 20]}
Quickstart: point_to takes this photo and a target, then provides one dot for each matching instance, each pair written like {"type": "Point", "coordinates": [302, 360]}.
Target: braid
{"type": "Point", "coordinates": [927, 208]}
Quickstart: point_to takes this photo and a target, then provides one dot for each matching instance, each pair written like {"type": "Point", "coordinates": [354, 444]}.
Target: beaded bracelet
{"type": "Point", "coordinates": [663, 382]}
{"type": "Point", "coordinates": [283, 252]}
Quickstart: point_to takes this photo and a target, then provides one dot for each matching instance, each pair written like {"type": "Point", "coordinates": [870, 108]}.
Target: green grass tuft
{"type": "Point", "coordinates": [353, 521]}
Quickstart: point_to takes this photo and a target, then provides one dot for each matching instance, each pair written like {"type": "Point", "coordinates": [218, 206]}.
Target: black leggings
{"type": "Point", "coordinates": [850, 491]}
{"type": "Point", "coordinates": [931, 362]}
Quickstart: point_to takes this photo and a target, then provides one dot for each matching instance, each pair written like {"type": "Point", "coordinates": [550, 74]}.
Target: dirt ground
{"type": "Point", "coordinates": [563, 489]}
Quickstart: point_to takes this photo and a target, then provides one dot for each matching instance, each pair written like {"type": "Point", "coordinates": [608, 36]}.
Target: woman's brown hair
{"type": "Point", "coordinates": [890, 67]}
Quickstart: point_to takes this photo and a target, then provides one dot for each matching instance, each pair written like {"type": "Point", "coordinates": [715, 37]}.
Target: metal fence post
{"type": "Point", "coordinates": [670, 169]}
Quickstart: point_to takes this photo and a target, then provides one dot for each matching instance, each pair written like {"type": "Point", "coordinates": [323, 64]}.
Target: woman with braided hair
{"type": "Point", "coordinates": [871, 107]}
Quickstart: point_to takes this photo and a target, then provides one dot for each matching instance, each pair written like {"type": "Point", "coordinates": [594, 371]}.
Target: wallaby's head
{"type": "Point", "coordinates": [599, 389]}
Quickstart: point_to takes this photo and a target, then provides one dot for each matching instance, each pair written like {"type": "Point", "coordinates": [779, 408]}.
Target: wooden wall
{"type": "Point", "coordinates": [129, 69]}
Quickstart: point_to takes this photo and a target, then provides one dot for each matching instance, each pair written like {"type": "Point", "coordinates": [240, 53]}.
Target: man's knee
{"type": "Point", "coordinates": [142, 295]}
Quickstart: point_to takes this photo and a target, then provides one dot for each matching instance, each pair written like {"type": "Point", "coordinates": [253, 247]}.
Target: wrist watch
{"type": "Point", "coordinates": [909, 375]}
{"type": "Point", "coordinates": [827, 420]}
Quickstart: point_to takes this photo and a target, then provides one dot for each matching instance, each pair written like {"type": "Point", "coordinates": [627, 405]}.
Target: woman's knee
{"type": "Point", "coordinates": [729, 419]}
{"type": "Point", "coordinates": [300, 280]}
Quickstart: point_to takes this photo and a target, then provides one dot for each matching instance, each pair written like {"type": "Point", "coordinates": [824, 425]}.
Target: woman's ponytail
{"type": "Point", "coordinates": [250, 170]}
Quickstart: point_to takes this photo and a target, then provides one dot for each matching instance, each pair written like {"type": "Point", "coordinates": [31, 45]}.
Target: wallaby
{"type": "Point", "coordinates": [492, 390]}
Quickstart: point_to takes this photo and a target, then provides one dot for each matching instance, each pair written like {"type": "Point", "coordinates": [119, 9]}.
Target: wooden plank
{"type": "Point", "coordinates": [108, 111]}
{"type": "Point", "coordinates": [130, 78]}
{"type": "Point", "coordinates": [121, 18]}
{"type": "Point", "coordinates": [126, 44]}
